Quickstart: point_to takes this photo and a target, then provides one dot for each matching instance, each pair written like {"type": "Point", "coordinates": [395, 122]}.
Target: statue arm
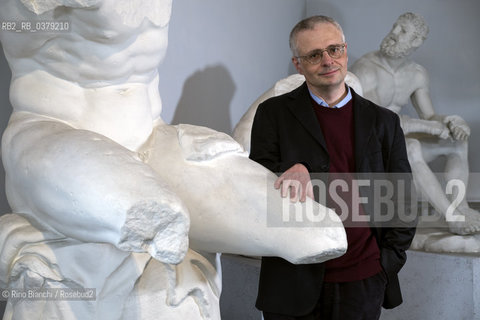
{"type": "Point", "coordinates": [422, 103]}
{"type": "Point", "coordinates": [429, 122]}
{"type": "Point", "coordinates": [443, 126]}
{"type": "Point", "coordinates": [430, 127]}
{"type": "Point", "coordinates": [87, 187]}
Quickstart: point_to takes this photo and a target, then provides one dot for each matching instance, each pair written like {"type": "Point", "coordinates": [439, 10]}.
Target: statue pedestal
{"type": "Point", "coordinates": [239, 288]}
{"type": "Point", "coordinates": [438, 286]}
{"type": "Point", "coordinates": [434, 286]}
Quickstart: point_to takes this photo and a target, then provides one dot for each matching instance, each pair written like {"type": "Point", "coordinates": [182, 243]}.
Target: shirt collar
{"type": "Point", "coordinates": [342, 103]}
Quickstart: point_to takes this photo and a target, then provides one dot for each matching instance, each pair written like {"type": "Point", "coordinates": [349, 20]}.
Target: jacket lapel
{"type": "Point", "coordinates": [364, 122]}
{"type": "Point", "coordinates": [301, 107]}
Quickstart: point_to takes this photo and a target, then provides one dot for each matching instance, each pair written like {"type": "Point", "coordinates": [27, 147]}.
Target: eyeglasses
{"type": "Point", "coordinates": [335, 51]}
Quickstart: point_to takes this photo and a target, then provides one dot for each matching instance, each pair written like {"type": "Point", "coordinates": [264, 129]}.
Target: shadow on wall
{"type": "Point", "coordinates": [206, 99]}
{"type": "Point", "coordinates": [5, 112]}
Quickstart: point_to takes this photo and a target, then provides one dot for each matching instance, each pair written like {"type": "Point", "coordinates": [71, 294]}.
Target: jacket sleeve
{"type": "Point", "coordinates": [397, 237]}
{"type": "Point", "coordinates": [265, 144]}
{"type": "Point", "coordinates": [264, 147]}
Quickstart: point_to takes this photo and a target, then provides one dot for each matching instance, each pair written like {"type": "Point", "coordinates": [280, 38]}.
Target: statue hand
{"type": "Point", "coordinates": [437, 128]}
{"type": "Point", "coordinates": [458, 127]}
{"type": "Point", "coordinates": [444, 132]}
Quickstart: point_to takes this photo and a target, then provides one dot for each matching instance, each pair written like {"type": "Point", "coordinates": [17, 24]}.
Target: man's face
{"type": "Point", "coordinates": [398, 43]}
{"type": "Point", "coordinates": [330, 73]}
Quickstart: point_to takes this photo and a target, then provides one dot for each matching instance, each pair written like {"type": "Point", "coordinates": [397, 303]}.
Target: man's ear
{"type": "Point", "coordinates": [297, 65]}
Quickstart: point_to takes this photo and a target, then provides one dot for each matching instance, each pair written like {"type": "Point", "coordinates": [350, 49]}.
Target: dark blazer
{"type": "Point", "coordinates": [285, 132]}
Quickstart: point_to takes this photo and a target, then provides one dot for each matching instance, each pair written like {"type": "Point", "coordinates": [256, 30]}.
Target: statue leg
{"type": "Point", "coordinates": [456, 168]}
{"type": "Point", "coordinates": [460, 220]}
{"type": "Point", "coordinates": [69, 279]}
{"type": "Point", "coordinates": [424, 178]}
{"type": "Point", "coordinates": [233, 205]}
{"type": "Point", "coordinates": [189, 290]}
{"type": "Point", "coordinates": [87, 187]}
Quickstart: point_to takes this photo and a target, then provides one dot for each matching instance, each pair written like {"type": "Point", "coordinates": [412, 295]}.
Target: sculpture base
{"type": "Point", "coordinates": [434, 286]}
{"type": "Point", "coordinates": [436, 237]}
{"type": "Point", "coordinates": [440, 240]}
{"type": "Point", "coordinates": [239, 288]}
{"type": "Point", "coordinates": [438, 286]}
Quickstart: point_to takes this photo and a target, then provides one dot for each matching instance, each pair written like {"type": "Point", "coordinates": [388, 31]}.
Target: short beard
{"type": "Point", "coordinates": [394, 50]}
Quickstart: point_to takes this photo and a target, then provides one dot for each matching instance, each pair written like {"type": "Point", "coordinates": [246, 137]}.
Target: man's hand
{"type": "Point", "coordinates": [295, 181]}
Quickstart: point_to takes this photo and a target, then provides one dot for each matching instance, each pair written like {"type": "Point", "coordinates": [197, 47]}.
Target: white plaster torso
{"type": "Point", "coordinates": [107, 79]}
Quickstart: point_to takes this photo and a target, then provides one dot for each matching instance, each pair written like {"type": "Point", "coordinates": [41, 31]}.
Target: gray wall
{"type": "Point", "coordinates": [223, 54]}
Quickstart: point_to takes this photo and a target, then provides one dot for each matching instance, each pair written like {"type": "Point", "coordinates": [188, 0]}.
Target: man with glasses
{"type": "Point", "coordinates": [391, 79]}
{"type": "Point", "coordinates": [324, 126]}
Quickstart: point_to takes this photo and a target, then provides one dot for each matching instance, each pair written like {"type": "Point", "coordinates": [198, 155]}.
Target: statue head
{"type": "Point", "coordinates": [407, 34]}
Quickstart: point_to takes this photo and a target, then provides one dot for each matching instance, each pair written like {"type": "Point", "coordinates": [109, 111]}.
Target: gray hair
{"type": "Point", "coordinates": [309, 24]}
{"type": "Point", "coordinates": [421, 27]}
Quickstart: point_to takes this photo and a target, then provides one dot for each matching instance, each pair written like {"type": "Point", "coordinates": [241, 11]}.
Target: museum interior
{"type": "Point", "coordinates": [106, 105]}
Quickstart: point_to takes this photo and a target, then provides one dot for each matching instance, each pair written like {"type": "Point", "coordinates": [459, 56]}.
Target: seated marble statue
{"type": "Point", "coordinates": [391, 79]}
{"type": "Point", "coordinates": [106, 195]}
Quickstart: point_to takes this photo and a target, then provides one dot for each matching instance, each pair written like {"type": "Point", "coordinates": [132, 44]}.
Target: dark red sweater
{"type": "Point", "coordinates": [362, 258]}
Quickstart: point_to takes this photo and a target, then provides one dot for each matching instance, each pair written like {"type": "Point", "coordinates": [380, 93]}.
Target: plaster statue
{"type": "Point", "coordinates": [108, 196]}
{"type": "Point", "coordinates": [243, 129]}
{"type": "Point", "coordinates": [391, 79]}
